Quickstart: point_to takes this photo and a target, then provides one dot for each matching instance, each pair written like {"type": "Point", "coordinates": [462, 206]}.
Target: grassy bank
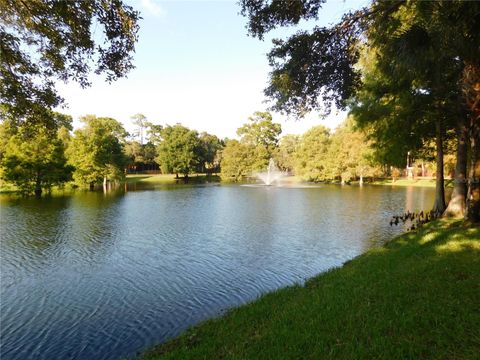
{"type": "Point", "coordinates": [170, 179]}
{"type": "Point", "coordinates": [418, 297]}
{"type": "Point", "coordinates": [411, 182]}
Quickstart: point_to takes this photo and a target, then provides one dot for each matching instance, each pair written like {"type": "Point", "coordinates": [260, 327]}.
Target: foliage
{"type": "Point", "coordinates": [349, 155]}
{"type": "Point", "coordinates": [285, 156]}
{"type": "Point", "coordinates": [312, 153]}
{"type": "Point", "coordinates": [179, 151]}
{"type": "Point", "coordinates": [310, 65]}
{"type": "Point", "coordinates": [210, 146]}
{"type": "Point", "coordinates": [96, 150]}
{"type": "Point", "coordinates": [44, 41]}
{"type": "Point", "coordinates": [258, 143]}
{"type": "Point", "coordinates": [237, 160]}
{"type": "Point", "coordinates": [33, 159]}
{"type": "Point", "coordinates": [261, 131]}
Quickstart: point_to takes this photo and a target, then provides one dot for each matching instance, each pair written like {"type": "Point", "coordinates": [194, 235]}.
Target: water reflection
{"type": "Point", "coordinates": [96, 275]}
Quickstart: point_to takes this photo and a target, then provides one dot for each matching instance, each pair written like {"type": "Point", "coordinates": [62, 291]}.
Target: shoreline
{"type": "Point", "coordinates": [169, 179]}
{"type": "Point", "coordinates": [415, 297]}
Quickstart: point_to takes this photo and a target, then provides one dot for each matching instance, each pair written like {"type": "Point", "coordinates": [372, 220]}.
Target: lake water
{"type": "Point", "coordinates": [103, 276]}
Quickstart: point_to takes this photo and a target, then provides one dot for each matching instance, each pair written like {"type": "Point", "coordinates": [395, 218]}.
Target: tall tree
{"type": "Point", "coordinates": [210, 146]}
{"type": "Point", "coordinates": [33, 159]}
{"type": "Point", "coordinates": [179, 150]}
{"type": "Point", "coordinates": [287, 148]}
{"type": "Point", "coordinates": [261, 131]}
{"type": "Point", "coordinates": [96, 151]}
{"type": "Point", "coordinates": [311, 156]}
{"type": "Point", "coordinates": [45, 41]}
{"type": "Point", "coordinates": [140, 121]}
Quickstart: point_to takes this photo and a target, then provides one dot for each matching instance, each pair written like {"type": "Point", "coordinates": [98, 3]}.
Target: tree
{"type": "Point", "coordinates": [238, 160]}
{"type": "Point", "coordinates": [141, 122]}
{"type": "Point", "coordinates": [285, 156]}
{"type": "Point", "coordinates": [96, 151]}
{"type": "Point", "coordinates": [179, 150]}
{"type": "Point", "coordinates": [33, 159]}
{"type": "Point", "coordinates": [349, 154]}
{"type": "Point", "coordinates": [154, 132]}
{"type": "Point", "coordinates": [210, 145]}
{"type": "Point", "coordinates": [311, 156]}
{"type": "Point", "coordinates": [261, 131]}
{"type": "Point", "coordinates": [45, 41]}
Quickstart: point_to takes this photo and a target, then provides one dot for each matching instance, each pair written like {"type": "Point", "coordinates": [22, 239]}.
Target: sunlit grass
{"type": "Point", "coordinates": [406, 182]}
{"type": "Point", "coordinates": [415, 298]}
{"type": "Point", "coordinates": [169, 179]}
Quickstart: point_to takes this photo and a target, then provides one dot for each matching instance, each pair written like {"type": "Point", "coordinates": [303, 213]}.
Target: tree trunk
{"type": "Point", "coordinates": [471, 93]}
{"type": "Point", "coordinates": [38, 185]}
{"type": "Point", "coordinates": [439, 205]}
{"type": "Point", "coordinates": [456, 206]}
{"type": "Point", "coordinates": [361, 180]}
{"type": "Point", "coordinates": [473, 202]}
{"type": "Point", "coordinates": [92, 186]}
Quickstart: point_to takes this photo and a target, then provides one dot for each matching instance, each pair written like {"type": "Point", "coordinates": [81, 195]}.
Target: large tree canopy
{"type": "Point", "coordinates": [44, 41]}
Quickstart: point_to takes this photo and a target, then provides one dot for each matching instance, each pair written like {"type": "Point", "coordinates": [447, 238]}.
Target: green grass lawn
{"type": "Point", "coordinates": [418, 297]}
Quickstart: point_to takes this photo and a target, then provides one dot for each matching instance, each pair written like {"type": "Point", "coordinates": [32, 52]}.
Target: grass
{"type": "Point", "coordinates": [410, 182]}
{"type": "Point", "coordinates": [418, 297]}
{"type": "Point", "coordinates": [170, 179]}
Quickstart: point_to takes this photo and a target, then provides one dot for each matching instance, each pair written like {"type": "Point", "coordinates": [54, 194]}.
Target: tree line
{"type": "Point", "coordinates": [35, 158]}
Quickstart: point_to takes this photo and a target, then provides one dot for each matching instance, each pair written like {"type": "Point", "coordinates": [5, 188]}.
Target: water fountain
{"type": "Point", "coordinates": [272, 174]}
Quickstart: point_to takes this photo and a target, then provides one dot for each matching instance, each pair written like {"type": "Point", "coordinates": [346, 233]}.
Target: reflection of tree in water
{"type": "Point", "coordinates": [42, 233]}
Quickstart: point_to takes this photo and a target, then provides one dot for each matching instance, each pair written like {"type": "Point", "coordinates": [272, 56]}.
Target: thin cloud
{"type": "Point", "coordinates": [153, 8]}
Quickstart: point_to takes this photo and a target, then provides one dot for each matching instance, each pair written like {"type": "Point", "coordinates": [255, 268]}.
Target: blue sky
{"type": "Point", "coordinates": [195, 65]}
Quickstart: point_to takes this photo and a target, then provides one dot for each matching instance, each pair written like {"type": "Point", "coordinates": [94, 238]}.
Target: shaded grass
{"type": "Point", "coordinates": [417, 297]}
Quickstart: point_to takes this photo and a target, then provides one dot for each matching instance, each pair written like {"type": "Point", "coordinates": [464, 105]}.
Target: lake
{"type": "Point", "coordinates": [102, 276]}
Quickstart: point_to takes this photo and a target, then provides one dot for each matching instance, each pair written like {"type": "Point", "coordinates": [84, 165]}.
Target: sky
{"type": "Point", "coordinates": [195, 65]}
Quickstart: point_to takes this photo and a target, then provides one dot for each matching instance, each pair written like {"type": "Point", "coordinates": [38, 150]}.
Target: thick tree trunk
{"type": "Point", "coordinates": [457, 204]}
{"type": "Point", "coordinates": [439, 205]}
{"type": "Point", "coordinates": [473, 202]}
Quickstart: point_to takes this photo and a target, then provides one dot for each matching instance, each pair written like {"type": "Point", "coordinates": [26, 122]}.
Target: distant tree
{"type": "Point", "coordinates": [238, 160]}
{"type": "Point", "coordinates": [140, 121]}
{"type": "Point", "coordinates": [210, 145]}
{"type": "Point", "coordinates": [154, 132]}
{"type": "Point", "coordinates": [311, 156]}
{"type": "Point", "coordinates": [140, 157]}
{"type": "Point", "coordinates": [96, 151]}
{"type": "Point", "coordinates": [33, 159]}
{"type": "Point", "coordinates": [45, 41]}
{"type": "Point", "coordinates": [261, 131]}
{"type": "Point", "coordinates": [285, 156]}
{"type": "Point", "coordinates": [349, 154]}
{"type": "Point", "coordinates": [179, 150]}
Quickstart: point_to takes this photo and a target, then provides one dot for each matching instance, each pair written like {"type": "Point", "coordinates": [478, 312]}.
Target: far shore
{"type": "Point", "coordinates": [171, 179]}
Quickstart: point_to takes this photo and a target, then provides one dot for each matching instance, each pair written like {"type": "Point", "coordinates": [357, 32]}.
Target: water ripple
{"type": "Point", "coordinates": [94, 276]}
